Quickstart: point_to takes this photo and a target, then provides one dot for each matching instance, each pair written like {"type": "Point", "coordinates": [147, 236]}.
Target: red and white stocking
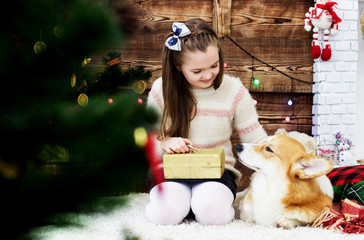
{"type": "Point", "coordinates": [316, 50]}
{"type": "Point", "coordinates": [326, 52]}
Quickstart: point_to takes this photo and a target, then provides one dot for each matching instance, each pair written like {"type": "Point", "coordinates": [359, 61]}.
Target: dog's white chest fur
{"type": "Point", "coordinates": [267, 196]}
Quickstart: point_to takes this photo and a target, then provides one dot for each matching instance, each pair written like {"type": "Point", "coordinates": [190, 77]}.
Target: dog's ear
{"type": "Point", "coordinates": [311, 166]}
{"type": "Point", "coordinates": [280, 131]}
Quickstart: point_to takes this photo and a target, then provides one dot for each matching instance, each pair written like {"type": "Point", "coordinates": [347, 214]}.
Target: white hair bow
{"type": "Point", "coordinates": [179, 30]}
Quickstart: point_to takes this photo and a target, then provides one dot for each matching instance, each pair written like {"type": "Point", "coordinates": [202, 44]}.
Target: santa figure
{"type": "Point", "coordinates": [322, 17]}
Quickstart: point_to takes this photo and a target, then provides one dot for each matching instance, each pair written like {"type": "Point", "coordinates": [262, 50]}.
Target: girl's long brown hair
{"type": "Point", "coordinates": [179, 102]}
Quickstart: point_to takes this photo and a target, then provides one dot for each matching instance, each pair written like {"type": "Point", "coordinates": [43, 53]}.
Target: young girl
{"type": "Point", "coordinates": [198, 106]}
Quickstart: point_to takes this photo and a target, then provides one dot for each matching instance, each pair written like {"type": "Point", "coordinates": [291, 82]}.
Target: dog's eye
{"type": "Point", "coordinates": [268, 149]}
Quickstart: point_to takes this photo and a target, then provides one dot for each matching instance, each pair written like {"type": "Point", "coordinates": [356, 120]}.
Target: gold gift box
{"type": "Point", "coordinates": [202, 164]}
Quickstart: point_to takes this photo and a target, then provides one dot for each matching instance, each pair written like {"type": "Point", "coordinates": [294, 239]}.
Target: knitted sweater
{"type": "Point", "coordinates": [217, 111]}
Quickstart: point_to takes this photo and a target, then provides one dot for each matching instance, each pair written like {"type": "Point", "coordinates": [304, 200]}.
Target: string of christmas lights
{"type": "Point", "coordinates": [267, 64]}
{"type": "Point", "coordinates": [140, 2]}
{"type": "Point", "coordinates": [254, 81]}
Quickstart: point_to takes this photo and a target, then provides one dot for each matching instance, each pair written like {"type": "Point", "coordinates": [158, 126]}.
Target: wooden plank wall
{"type": "Point", "coordinates": [270, 30]}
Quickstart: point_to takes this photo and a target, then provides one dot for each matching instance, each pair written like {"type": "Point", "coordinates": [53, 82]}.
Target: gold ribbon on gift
{"type": "Point", "coordinates": [208, 163]}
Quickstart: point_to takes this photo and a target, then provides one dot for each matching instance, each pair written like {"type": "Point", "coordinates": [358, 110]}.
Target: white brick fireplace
{"type": "Point", "coordinates": [339, 83]}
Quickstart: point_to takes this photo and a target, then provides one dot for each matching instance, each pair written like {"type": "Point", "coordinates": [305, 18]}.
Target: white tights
{"type": "Point", "coordinates": [211, 202]}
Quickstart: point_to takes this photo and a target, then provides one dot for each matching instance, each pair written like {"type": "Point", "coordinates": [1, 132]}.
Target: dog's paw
{"type": "Point", "coordinates": [287, 223]}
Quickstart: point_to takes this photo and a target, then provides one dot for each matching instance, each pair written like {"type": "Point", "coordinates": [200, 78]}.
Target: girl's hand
{"type": "Point", "coordinates": [176, 145]}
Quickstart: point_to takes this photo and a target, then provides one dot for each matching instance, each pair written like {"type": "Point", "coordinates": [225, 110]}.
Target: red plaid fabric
{"type": "Point", "coordinates": [349, 174]}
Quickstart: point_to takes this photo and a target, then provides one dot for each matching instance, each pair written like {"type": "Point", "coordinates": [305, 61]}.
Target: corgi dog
{"type": "Point", "coordinates": [289, 187]}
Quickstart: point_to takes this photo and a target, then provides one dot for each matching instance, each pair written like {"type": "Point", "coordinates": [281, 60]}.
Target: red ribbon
{"type": "Point", "coordinates": [113, 61]}
{"type": "Point", "coordinates": [154, 161]}
{"type": "Point", "coordinates": [328, 6]}
{"type": "Point", "coordinates": [328, 151]}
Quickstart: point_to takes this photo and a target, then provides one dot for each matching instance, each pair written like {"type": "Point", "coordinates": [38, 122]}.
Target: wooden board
{"type": "Point", "coordinates": [269, 19]}
{"type": "Point", "coordinates": [222, 17]}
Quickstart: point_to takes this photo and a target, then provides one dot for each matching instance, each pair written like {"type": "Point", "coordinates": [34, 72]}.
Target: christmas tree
{"type": "Point", "coordinates": [91, 149]}
{"type": "Point", "coordinates": [114, 78]}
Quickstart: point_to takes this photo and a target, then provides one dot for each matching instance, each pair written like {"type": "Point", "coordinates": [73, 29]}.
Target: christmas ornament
{"type": "Point", "coordinates": [323, 17]}
{"type": "Point", "coordinates": [39, 47]}
{"type": "Point", "coordinates": [112, 58]}
{"type": "Point", "coordinates": [140, 136]}
{"type": "Point", "coordinates": [82, 100]}
{"type": "Point", "coordinates": [139, 86]}
{"type": "Point", "coordinates": [73, 80]}
{"type": "Point", "coordinates": [9, 171]}
{"type": "Point", "coordinates": [85, 61]}
{"type": "Point", "coordinates": [83, 85]}
{"type": "Point", "coordinates": [113, 61]}
{"type": "Point", "coordinates": [59, 31]}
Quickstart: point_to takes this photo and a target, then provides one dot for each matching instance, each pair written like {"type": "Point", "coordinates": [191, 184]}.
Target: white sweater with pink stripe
{"type": "Point", "coordinates": [217, 112]}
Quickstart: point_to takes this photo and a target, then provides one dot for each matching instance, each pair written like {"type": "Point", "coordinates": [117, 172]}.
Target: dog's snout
{"type": "Point", "coordinates": [239, 147]}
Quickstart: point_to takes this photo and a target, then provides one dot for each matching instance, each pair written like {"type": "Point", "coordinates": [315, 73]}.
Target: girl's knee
{"type": "Point", "coordinates": [165, 214]}
{"type": "Point", "coordinates": [213, 213]}
{"type": "Point", "coordinates": [170, 206]}
{"type": "Point", "coordinates": [212, 204]}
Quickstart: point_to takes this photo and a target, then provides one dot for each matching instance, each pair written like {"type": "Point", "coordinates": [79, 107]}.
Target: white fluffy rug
{"type": "Point", "coordinates": [128, 222]}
